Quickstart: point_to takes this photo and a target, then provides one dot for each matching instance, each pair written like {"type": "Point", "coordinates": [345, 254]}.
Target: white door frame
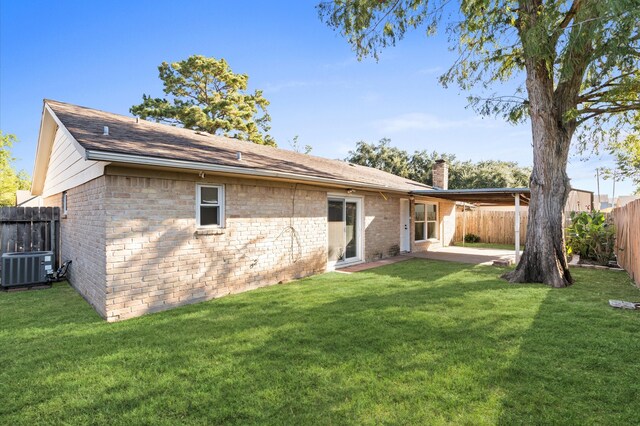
{"type": "Point", "coordinates": [331, 265]}
{"type": "Point", "coordinates": [405, 225]}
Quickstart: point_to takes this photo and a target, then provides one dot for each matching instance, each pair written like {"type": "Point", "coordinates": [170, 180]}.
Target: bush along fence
{"type": "Point", "coordinates": [25, 229]}
{"type": "Point", "coordinates": [592, 236]}
{"type": "Point", "coordinates": [491, 226]}
{"type": "Point", "coordinates": [627, 222]}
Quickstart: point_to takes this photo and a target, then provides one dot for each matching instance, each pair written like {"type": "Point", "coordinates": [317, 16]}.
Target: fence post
{"type": "Point", "coordinates": [54, 243]}
{"type": "Point", "coordinates": [517, 228]}
{"type": "Point", "coordinates": [464, 223]}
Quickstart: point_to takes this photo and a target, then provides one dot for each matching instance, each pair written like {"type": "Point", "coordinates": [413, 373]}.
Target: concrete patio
{"type": "Point", "coordinates": [369, 265]}
{"type": "Point", "coordinates": [476, 256]}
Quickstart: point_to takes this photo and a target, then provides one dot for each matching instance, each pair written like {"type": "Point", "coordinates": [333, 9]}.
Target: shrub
{"type": "Point", "coordinates": [471, 238]}
{"type": "Point", "coordinates": [592, 236]}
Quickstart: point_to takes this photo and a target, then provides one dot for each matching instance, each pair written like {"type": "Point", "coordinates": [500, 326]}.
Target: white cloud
{"type": "Point", "coordinates": [370, 97]}
{"type": "Point", "coordinates": [297, 84]}
{"type": "Point", "coordinates": [430, 71]}
{"type": "Point", "coordinates": [524, 133]}
{"type": "Point", "coordinates": [291, 84]}
{"type": "Point", "coordinates": [412, 121]}
{"type": "Point", "coordinates": [340, 64]}
{"type": "Point", "coordinates": [425, 121]}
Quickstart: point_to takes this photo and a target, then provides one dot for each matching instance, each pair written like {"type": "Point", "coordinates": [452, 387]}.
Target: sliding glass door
{"type": "Point", "coordinates": [337, 235]}
{"type": "Point", "coordinates": [344, 230]}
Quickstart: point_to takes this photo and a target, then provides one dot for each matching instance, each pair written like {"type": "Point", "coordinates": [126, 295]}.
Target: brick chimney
{"type": "Point", "coordinates": [440, 174]}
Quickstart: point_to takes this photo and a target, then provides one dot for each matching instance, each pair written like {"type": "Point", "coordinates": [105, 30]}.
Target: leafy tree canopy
{"type": "Point", "coordinates": [204, 94]}
{"type": "Point", "coordinates": [10, 179]}
{"type": "Point", "coordinates": [627, 157]}
{"type": "Point", "coordinates": [382, 156]}
{"type": "Point", "coordinates": [418, 166]}
{"type": "Point", "coordinates": [576, 64]}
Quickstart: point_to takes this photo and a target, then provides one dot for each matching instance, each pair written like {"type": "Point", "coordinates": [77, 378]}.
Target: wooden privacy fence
{"type": "Point", "coordinates": [24, 229]}
{"type": "Point", "coordinates": [627, 222]}
{"type": "Point", "coordinates": [491, 226]}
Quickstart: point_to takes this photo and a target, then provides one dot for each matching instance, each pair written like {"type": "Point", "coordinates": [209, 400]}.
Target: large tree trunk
{"type": "Point", "coordinates": [544, 259]}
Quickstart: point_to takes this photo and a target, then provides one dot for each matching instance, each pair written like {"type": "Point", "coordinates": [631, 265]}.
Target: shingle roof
{"type": "Point", "coordinates": [149, 139]}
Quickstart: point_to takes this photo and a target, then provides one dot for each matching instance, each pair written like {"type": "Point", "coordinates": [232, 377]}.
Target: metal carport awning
{"type": "Point", "coordinates": [493, 196]}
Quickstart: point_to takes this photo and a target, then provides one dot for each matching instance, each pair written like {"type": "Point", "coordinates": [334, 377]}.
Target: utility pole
{"type": "Point", "coordinates": [598, 183]}
{"type": "Point", "coordinates": [613, 197]}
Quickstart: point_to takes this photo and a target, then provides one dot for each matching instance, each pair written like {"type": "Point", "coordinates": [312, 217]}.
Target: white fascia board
{"type": "Point", "coordinates": [36, 179]}
{"type": "Point", "coordinates": [208, 167]}
{"type": "Point", "coordinates": [46, 137]}
{"type": "Point", "coordinates": [79, 147]}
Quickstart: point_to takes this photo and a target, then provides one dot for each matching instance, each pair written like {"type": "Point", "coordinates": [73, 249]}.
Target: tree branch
{"type": "Point", "coordinates": [575, 61]}
{"type": "Point", "coordinates": [571, 13]}
{"type": "Point", "coordinates": [505, 99]}
{"type": "Point", "coordinates": [594, 112]}
{"type": "Point", "coordinates": [382, 18]}
{"type": "Point", "coordinates": [594, 93]}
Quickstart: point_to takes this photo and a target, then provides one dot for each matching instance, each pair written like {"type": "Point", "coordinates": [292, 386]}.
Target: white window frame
{"type": "Point", "coordinates": [220, 205]}
{"type": "Point", "coordinates": [65, 200]}
{"type": "Point", "coordinates": [421, 222]}
{"type": "Point", "coordinates": [360, 218]}
{"type": "Point", "coordinates": [425, 222]}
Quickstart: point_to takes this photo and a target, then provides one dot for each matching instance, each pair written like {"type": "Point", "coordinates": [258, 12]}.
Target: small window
{"type": "Point", "coordinates": [210, 205]}
{"type": "Point", "coordinates": [64, 203]}
{"type": "Point", "coordinates": [426, 222]}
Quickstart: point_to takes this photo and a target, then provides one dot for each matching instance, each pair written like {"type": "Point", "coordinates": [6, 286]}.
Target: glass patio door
{"type": "Point", "coordinates": [344, 230]}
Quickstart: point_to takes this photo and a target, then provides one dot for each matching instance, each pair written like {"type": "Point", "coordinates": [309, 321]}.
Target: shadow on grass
{"type": "Point", "coordinates": [578, 362]}
{"type": "Point", "coordinates": [416, 342]}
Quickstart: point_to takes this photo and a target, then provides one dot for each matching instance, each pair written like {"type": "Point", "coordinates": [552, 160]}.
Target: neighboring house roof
{"type": "Point", "coordinates": [25, 199]}
{"type": "Point", "coordinates": [623, 200]}
{"type": "Point", "coordinates": [147, 143]}
{"type": "Point", "coordinates": [582, 190]}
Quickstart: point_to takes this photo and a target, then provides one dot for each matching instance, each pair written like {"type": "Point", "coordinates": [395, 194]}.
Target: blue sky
{"type": "Point", "coordinates": [105, 55]}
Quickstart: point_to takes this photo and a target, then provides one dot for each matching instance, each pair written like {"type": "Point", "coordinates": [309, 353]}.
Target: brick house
{"type": "Point", "coordinates": [156, 216]}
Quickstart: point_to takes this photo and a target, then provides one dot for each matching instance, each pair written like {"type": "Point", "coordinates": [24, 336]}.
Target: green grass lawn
{"type": "Point", "coordinates": [414, 342]}
{"type": "Point", "coordinates": [489, 246]}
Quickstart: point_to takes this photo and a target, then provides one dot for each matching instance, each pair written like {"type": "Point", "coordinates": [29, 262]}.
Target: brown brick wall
{"type": "Point", "coordinates": [82, 240]}
{"type": "Point", "coordinates": [135, 246]}
{"type": "Point", "coordinates": [382, 226]}
{"type": "Point", "coordinates": [156, 259]}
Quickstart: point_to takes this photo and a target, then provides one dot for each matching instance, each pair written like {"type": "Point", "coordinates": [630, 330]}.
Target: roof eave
{"type": "Point", "coordinates": [475, 191]}
{"type": "Point", "coordinates": [115, 157]}
{"type": "Point", "coordinates": [493, 196]}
